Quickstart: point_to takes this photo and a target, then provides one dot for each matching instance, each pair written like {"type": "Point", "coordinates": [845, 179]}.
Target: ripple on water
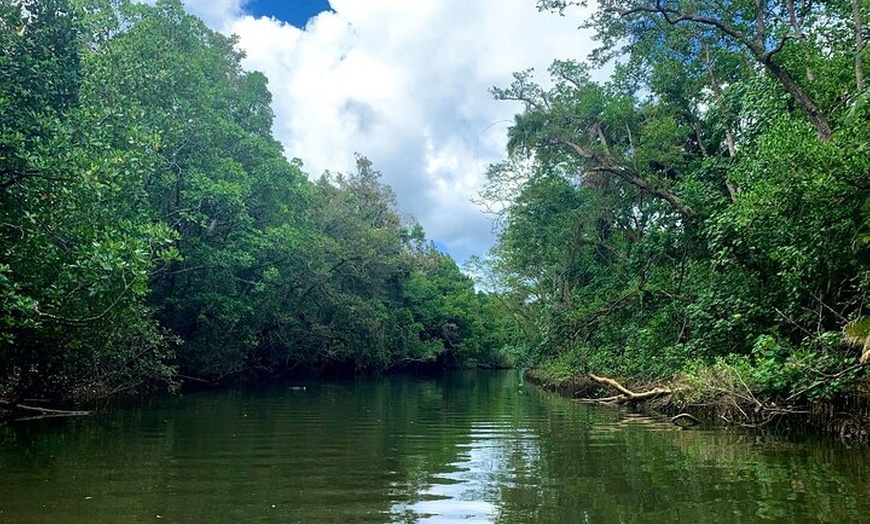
{"type": "Point", "coordinates": [400, 449]}
{"type": "Point", "coordinates": [467, 489]}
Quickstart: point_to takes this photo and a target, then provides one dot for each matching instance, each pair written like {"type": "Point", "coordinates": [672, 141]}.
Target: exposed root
{"type": "Point", "coordinates": [731, 402]}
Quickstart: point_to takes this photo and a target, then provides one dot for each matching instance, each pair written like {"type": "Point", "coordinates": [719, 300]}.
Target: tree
{"type": "Point", "coordinates": [703, 202]}
{"type": "Point", "coordinates": [77, 254]}
{"type": "Point", "coordinates": [767, 32]}
{"type": "Point", "coordinates": [152, 230]}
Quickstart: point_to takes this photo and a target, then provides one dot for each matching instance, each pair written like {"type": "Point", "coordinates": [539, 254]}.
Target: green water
{"type": "Point", "coordinates": [468, 447]}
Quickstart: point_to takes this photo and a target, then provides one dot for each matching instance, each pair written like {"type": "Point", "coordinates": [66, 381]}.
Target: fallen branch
{"type": "Point", "coordinates": [43, 417]}
{"type": "Point", "coordinates": [625, 393]}
{"type": "Point", "coordinates": [616, 399]}
{"type": "Point", "coordinates": [194, 379]}
{"type": "Point", "coordinates": [43, 411]}
{"type": "Point", "coordinates": [411, 361]}
{"type": "Point", "coordinates": [688, 418]}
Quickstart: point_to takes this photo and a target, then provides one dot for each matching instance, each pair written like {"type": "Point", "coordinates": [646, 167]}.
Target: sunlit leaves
{"type": "Point", "coordinates": [725, 110]}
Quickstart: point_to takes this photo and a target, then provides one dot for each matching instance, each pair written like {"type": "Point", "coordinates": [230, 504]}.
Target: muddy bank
{"type": "Point", "coordinates": [846, 417]}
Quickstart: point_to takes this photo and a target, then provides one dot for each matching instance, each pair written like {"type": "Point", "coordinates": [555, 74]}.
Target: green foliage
{"type": "Point", "coordinates": [857, 333]}
{"type": "Point", "coordinates": [777, 367]}
{"type": "Point", "coordinates": [563, 368]}
{"type": "Point", "coordinates": [817, 369]}
{"type": "Point", "coordinates": [702, 210]}
{"type": "Point", "coordinates": [151, 228]}
{"type": "Point", "coordinates": [703, 381]}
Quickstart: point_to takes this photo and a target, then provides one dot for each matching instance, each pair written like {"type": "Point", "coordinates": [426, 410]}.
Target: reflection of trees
{"type": "Point", "coordinates": [635, 470]}
{"type": "Point", "coordinates": [338, 452]}
{"type": "Point", "coordinates": [397, 448]}
{"type": "Point", "coordinates": [461, 422]}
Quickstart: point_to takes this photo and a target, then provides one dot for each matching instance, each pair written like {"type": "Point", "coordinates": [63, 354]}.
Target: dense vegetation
{"type": "Point", "coordinates": [703, 212]}
{"type": "Point", "coordinates": [152, 231]}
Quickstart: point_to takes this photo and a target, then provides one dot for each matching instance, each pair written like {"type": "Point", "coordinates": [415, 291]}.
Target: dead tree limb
{"type": "Point", "coordinates": [625, 393]}
{"type": "Point", "coordinates": [43, 411]}
{"type": "Point", "coordinates": [685, 418]}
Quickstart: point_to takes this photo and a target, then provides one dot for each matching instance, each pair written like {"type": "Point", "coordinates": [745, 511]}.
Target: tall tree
{"type": "Point", "coordinates": [702, 202]}
{"type": "Point", "coordinates": [762, 30]}
{"type": "Point", "coordinates": [77, 254]}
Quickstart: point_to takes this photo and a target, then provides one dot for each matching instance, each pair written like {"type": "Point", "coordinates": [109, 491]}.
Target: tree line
{"type": "Point", "coordinates": [704, 208]}
{"type": "Point", "coordinates": [152, 231]}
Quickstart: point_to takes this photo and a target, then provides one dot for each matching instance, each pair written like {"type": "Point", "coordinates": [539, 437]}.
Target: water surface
{"type": "Point", "coordinates": [464, 447]}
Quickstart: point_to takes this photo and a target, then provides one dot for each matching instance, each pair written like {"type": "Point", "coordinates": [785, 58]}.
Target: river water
{"type": "Point", "coordinates": [464, 447]}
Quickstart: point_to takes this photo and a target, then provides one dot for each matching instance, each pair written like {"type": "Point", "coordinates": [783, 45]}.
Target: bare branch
{"type": "Point", "coordinates": [84, 321]}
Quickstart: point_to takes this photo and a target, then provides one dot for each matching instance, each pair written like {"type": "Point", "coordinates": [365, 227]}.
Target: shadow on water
{"type": "Point", "coordinates": [469, 447]}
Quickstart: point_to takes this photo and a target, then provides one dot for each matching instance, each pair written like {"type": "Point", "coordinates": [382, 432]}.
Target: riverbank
{"type": "Point", "coordinates": [846, 416]}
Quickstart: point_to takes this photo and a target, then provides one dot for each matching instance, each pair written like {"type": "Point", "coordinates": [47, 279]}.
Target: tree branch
{"type": "Point", "coordinates": [601, 166]}
{"type": "Point", "coordinates": [88, 320]}
{"type": "Point", "coordinates": [755, 46]}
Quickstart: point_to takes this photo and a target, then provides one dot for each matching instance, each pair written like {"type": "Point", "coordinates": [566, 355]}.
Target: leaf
{"type": "Point", "coordinates": [857, 333]}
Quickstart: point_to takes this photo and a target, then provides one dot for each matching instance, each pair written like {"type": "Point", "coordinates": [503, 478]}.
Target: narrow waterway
{"type": "Point", "coordinates": [464, 447]}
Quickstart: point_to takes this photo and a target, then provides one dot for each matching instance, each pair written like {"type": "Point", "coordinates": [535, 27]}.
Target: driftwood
{"type": "Point", "coordinates": [625, 394]}
{"type": "Point", "coordinates": [685, 419]}
{"type": "Point", "coordinates": [42, 412]}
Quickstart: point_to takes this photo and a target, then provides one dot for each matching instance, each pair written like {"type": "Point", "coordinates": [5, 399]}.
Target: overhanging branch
{"type": "Point", "coordinates": [601, 166]}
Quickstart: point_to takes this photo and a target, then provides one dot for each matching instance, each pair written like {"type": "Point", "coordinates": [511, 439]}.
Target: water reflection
{"type": "Point", "coordinates": [499, 456]}
{"type": "Point", "coordinates": [462, 448]}
{"type": "Point", "coordinates": [561, 462]}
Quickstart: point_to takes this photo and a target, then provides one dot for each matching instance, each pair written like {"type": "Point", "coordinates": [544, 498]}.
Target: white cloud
{"type": "Point", "coordinates": [218, 14]}
{"type": "Point", "coordinates": [404, 83]}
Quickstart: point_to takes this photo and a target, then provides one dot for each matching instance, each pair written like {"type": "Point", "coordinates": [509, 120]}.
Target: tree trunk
{"type": "Point", "coordinates": [757, 46]}
{"type": "Point", "coordinates": [816, 117]}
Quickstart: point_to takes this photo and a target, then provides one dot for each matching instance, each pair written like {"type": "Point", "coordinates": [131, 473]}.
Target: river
{"type": "Point", "coordinates": [463, 447]}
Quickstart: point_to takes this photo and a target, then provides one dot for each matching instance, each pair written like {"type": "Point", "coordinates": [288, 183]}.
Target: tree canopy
{"type": "Point", "coordinates": [706, 202]}
{"type": "Point", "coordinates": [152, 231]}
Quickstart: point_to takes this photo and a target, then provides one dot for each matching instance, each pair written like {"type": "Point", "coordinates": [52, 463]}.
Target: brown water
{"type": "Point", "coordinates": [465, 447]}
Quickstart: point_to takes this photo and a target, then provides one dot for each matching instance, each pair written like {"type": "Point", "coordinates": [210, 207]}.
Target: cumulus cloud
{"type": "Point", "coordinates": [406, 84]}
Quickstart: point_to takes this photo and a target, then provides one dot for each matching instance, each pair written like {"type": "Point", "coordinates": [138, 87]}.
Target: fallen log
{"type": "Point", "coordinates": [625, 393]}
{"type": "Point", "coordinates": [615, 399]}
{"type": "Point", "coordinates": [43, 411]}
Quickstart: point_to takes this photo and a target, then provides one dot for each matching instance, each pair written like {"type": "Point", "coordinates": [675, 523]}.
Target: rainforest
{"type": "Point", "coordinates": [154, 234]}
{"type": "Point", "coordinates": [697, 222]}
{"type": "Point", "coordinates": [702, 215]}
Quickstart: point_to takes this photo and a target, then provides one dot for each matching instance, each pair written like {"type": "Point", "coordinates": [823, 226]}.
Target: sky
{"type": "Point", "coordinates": [294, 12]}
{"type": "Point", "coordinates": [403, 82]}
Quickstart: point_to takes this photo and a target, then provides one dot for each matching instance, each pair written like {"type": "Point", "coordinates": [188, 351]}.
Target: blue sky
{"type": "Point", "coordinates": [405, 83]}
{"type": "Point", "coordinates": [294, 12]}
